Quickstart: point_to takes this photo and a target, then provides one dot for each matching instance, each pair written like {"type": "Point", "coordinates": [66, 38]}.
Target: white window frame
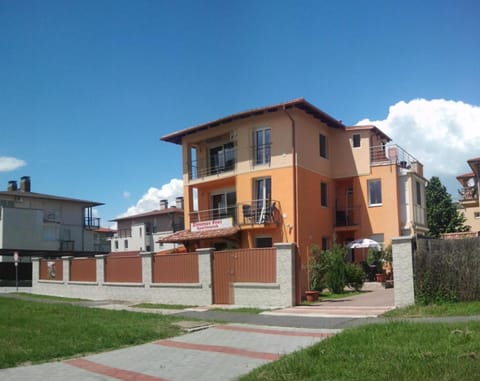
{"type": "Point", "coordinates": [370, 184]}
{"type": "Point", "coordinates": [262, 149]}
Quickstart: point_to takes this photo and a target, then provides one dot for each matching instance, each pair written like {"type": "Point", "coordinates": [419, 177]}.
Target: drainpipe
{"type": "Point", "coordinates": [295, 200]}
{"type": "Point", "coordinates": [295, 185]}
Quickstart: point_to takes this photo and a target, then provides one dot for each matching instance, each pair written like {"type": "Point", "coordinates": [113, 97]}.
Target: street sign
{"type": "Point", "coordinates": [15, 258]}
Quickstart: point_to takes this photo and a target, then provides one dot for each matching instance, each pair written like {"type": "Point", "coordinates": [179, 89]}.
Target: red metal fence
{"type": "Point", "coordinates": [83, 270]}
{"type": "Point", "coordinates": [175, 268]}
{"type": "Point", "coordinates": [51, 269]}
{"type": "Point", "coordinates": [123, 269]}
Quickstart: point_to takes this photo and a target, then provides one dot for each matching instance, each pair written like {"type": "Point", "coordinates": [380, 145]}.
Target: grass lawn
{"type": "Point", "coordinates": [32, 332]}
{"type": "Point", "coordinates": [393, 351]}
{"type": "Point", "coordinates": [437, 310]}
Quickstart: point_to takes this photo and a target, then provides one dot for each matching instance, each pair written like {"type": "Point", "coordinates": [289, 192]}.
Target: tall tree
{"type": "Point", "coordinates": [442, 213]}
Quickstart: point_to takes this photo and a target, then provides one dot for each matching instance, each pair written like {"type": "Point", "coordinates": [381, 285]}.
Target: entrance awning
{"type": "Point", "coordinates": [187, 235]}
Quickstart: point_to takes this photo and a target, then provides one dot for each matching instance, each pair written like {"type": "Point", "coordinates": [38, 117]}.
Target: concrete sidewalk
{"type": "Point", "coordinates": [222, 352]}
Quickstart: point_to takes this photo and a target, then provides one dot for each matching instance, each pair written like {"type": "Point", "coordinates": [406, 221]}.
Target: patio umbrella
{"type": "Point", "coordinates": [363, 243]}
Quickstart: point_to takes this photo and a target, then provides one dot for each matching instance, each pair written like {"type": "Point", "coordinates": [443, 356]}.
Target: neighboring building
{"type": "Point", "coordinates": [142, 232]}
{"type": "Point", "coordinates": [292, 173]}
{"type": "Point", "coordinates": [35, 224]}
{"type": "Point", "coordinates": [468, 203]}
{"type": "Point", "coordinates": [102, 238]}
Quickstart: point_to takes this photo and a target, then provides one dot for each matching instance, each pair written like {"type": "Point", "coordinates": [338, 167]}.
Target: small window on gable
{"type": "Point", "coordinates": [324, 243]}
{"type": "Point", "coordinates": [323, 146]}
{"type": "Point", "coordinates": [418, 192]}
{"type": "Point", "coordinates": [356, 140]}
{"type": "Point", "coordinates": [324, 195]}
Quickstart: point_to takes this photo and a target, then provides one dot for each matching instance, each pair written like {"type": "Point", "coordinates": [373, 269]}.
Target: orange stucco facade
{"type": "Point", "coordinates": [291, 173]}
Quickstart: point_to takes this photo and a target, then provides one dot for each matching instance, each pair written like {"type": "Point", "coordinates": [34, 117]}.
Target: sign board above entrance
{"type": "Point", "coordinates": [211, 225]}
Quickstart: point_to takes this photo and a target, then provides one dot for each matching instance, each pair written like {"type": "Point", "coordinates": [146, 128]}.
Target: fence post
{"type": "Point", "coordinates": [285, 263]}
{"type": "Point", "coordinates": [66, 268]}
{"type": "Point", "coordinates": [147, 258]}
{"type": "Point", "coordinates": [100, 268]}
{"type": "Point", "coordinates": [402, 254]}
{"type": "Point", "coordinates": [35, 272]}
{"type": "Point", "coordinates": [205, 271]}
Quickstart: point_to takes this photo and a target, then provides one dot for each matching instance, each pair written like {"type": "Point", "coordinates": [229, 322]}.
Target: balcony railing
{"type": "Point", "coordinates": [123, 233]}
{"type": "Point", "coordinates": [393, 154]}
{"type": "Point", "coordinates": [246, 213]}
{"type": "Point", "coordinates": [347, 217]}
{"type": "Point", "coordinates": [91, 222]}
{"type": "Point", "coordinates": [222, 162]}
{"type": "Point", "coordinates": [468, 194]}
{"type": "Point", "coordinates": [67, 245]}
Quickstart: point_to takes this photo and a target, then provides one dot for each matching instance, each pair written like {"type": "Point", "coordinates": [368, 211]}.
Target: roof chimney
{"type": "Point", "coordinates": [25, 183]}
{"type": "Point", "coordinates": [179, 202]}
{"type": "Point", "coordinates": [12, 186]}
{"type": "Point", "coordinates": [163, 204]}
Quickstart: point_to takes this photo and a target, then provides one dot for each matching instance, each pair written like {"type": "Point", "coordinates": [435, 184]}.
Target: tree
{"type": "Point", "coordinates": [442, 214]}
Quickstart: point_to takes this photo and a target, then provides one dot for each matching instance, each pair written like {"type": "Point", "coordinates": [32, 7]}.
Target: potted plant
{"type": "Point", "coordinates": [375, 258]}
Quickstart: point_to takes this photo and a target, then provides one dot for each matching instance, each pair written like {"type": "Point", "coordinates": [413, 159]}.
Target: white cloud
{"type": "Point", "coordinates": [151, 200]}
{"type": "Point", "coordinates": [10, 163]}
{"type": "Point", "coordinates": [441, 134]}
{"type": "Point", "coordinates": [126, 195]}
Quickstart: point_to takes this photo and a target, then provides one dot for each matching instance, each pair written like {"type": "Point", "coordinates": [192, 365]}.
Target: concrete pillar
{"type": "Point", "coordinates": [35, 272]}
{"type": "Point", "coordinates": [402, 254]}
{"type": "Point", "coordinates": [205, 272]}
{"type": "Point", "coordinates": [66, 268]}
{"type": "Point", "coordinates": [147, 265]}
{"type": "Point", "coordinates": [285, 264]}
{"type": "Point", "coordinates": [100, 268]}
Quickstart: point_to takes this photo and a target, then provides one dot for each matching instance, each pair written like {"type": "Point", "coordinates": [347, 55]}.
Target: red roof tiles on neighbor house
{"type": "Point", "coordinates": [187, 235]}
{"type": "Point", "coordinates": [152, 213]}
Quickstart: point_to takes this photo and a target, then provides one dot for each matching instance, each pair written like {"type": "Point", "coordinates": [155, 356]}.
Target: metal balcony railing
{"type": "Point", "coordinates": [246, 213]}
{"type": "Point", "coordinates": [219, 163]}
{"type": "Point", "coordinates": [392, 154]}
{"type": "Point", "coordinates": [347, 217]}
{"type": "Point", "coordinates": [91, 222]}
{"type": "Point", "coordinates": [468, 193]}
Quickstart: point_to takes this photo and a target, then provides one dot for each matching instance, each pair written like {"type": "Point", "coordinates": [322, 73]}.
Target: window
{"type": "Point", "coordinates": [224, 205]}
{"type": "Point", "coordinates": [476, 215]}
{"type": "Point", "coordinates": [324, 195]}
{"type": "Point", "coordinates": [262, 193]}
{"type": "Point", "coordinates": [125, 243]}
{"type": "Point", "coordinates": [324, 243]}
{"type": "Point", "coordinates": [356, 140]}
{"type": "Point", "coordinates": [418, 189]}
{"type": "Point", "coordinates": [323, 146]}
{"type": "Point", "coordinates": [222, 158]}
{"type": "Point", "coordinates": [374, 192]}
{"type": "Point", "coordinates": [262, 146]}
{"type": "Point", "coordinates": [116, 245]}
{"type": "Point", "coordinates": [263, 242]}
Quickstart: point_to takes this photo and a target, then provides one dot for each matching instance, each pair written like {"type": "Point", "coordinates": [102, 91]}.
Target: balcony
{"type": "Point", "coordinates": [394, 154]}
{"type": "Point", "coordinates": [347, 219]}
{"type": "Point", "coordinates": [91, 223]}
{"type": "Point", "coordinates": [254, 212]}
{"type": "Point", "coordinates": [123, 233]}
{"type": "Point", "coordinates": [468, 195]}
{"type": "Point", "coordinates": [220, 160]}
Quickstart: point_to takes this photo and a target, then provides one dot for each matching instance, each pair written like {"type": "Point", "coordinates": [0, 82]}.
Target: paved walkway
{"type": "Point", "coordinates": [221, 352]}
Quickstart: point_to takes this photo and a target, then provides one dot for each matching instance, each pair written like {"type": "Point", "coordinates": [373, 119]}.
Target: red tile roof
{"type": "Point", "coordinates": [151, 213]}
{"type": "Point", "coordinates": [300, 103]}
{"type": "Point", "coordinates": [187, 235]}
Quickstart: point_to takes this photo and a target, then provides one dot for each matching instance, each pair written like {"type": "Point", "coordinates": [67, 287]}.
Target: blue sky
{"type": "Point", "coordinates": [88, 87]}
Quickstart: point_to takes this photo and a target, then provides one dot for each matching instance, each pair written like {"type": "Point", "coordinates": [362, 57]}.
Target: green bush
{"type": "Point", "coordinates": [317, 269]}
{"type": "Point", "coordinates": [335, 276]}
{"type": "Point", "coordinates": [355, 276]}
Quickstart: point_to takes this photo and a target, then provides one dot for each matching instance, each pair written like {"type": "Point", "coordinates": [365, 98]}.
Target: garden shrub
{"type": "Point", "coordinates": [355, 276]}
